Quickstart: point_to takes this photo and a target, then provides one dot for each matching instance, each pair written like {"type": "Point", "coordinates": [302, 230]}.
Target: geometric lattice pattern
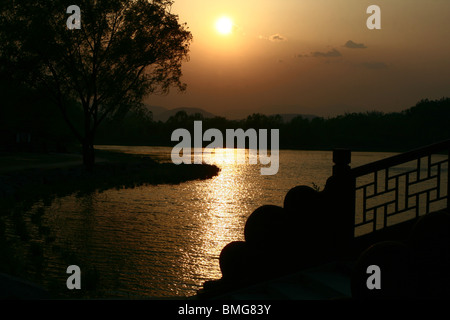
{"type": "Point", "coordinates": [393, 194]}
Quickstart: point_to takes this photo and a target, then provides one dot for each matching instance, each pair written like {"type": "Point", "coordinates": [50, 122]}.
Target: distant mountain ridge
{"type": "Point", "coordinates": [163, 114]}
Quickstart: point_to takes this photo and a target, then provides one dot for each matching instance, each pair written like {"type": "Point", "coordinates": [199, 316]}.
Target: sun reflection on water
{"type": "Point", "coordinates": [223, 219]}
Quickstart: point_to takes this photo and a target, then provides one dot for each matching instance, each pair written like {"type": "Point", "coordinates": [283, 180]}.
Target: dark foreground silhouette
{"type": "Point", "coordinates": [283, 241]}
{"type": "Point", "coordinates": [317, 228]}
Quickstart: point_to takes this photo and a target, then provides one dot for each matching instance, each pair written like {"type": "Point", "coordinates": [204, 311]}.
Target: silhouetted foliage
{"type": "Point", "coordinates": [425, 123]}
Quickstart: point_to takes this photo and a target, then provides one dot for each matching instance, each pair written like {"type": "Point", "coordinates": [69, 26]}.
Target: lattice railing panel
{"type": "Point", "coordinates": [394, 194]}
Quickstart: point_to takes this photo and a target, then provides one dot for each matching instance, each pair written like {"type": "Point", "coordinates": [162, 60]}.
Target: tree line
{"type": "Point", "coordinates": [425, 123]}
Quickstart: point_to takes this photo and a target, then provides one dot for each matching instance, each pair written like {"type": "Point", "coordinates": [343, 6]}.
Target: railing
{"type": "Point", "coordinates": [401, 188]}
{"type": "Point", "coordinates": [315, 227]}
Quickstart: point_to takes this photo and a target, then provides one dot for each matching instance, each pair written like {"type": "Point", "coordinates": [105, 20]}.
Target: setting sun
{"type": "Point", "coordinates": [224, 25]}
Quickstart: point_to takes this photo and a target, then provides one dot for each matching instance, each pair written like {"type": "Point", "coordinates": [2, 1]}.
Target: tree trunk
{"type": "Point", "coordinates": [88, 142]}
{"type": "Point", "coordinates": [88, 155]}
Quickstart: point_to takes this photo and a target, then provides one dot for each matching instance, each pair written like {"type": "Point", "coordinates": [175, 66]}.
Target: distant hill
{"type": "Point", "coordinates": [163, 114]}
{"type": "Point", "coordinates": [287, 117]}
{"type": "Point", "coordinates": [156, 109]}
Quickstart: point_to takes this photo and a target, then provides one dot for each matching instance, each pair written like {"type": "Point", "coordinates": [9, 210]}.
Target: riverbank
{"type": "Point", "coordinates": [112, 170]}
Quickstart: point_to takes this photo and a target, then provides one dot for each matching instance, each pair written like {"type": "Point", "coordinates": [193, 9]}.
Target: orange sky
{"type": "Point", "coordinates": [290, 56]}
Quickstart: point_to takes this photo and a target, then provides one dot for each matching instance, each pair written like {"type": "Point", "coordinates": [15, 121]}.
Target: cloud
{"type": "Point", "coordinates": [375, 65]}
{"type": "Point", "coordinates": [330, 54]}
{"type": "Point", "coordinates": [274, 38]}
{"type": "Point", "coordinates": [352, 45]}
{"type": "Point", "coordinates": [277, 37]}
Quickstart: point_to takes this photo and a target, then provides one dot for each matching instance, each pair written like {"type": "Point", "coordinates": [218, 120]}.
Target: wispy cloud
{"type": "Point", "coordinates": [319, 54]}
{"type": "Point", "coordinates": [274, 38]}
{"type": "Point", "coordinates": [330, 54]}
{"type": "Point", "coordinates": [277, 37]}
{"type": "Point", "coordinates": [353, 45]}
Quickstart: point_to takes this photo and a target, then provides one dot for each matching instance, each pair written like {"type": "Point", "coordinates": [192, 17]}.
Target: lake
{"type": "Point", "coordinates": [164, 241]}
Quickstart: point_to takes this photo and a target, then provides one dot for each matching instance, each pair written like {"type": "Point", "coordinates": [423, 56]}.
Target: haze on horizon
{"type": "Point", "coordinates": [312, 56]}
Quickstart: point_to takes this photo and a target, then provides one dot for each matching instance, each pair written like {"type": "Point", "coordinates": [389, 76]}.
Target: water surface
{"type": "Point", "coordinates": [165, 240]}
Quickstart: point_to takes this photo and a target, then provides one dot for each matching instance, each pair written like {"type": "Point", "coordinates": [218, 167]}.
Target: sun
{"type": "Point", "coordinates": [224, 25]}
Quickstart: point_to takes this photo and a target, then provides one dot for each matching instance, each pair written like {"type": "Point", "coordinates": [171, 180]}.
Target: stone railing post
{"type": "Point", "coordinates": [448, 181]}
{"type": "Point", "coordinates": [340, 190]}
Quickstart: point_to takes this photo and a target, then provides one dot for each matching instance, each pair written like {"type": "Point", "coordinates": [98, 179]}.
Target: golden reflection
{"type": "Point", "coordinates": [222, 219]}
{"type": "Point", "coordinates": [227, 156]}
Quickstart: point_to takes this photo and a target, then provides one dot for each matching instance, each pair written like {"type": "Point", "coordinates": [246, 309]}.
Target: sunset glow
{"type": "Point", "coordinates": [224, 25]}
{"type": "Point", "coordinates": [311, 57]}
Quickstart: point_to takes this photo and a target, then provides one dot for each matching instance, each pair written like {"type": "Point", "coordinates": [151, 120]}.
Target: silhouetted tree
{"type": "Point", "coordinates": [123, 51]}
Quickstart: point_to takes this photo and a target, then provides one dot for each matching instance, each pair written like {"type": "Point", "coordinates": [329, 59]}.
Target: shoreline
{"type": "Point", "coordinates": [118, 170]}
{"type": "Point", "coordinates": [355, 149]}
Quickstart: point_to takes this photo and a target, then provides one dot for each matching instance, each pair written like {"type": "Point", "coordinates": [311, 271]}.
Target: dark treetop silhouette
{"type": "Point", "coordinates": [123, 51]}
